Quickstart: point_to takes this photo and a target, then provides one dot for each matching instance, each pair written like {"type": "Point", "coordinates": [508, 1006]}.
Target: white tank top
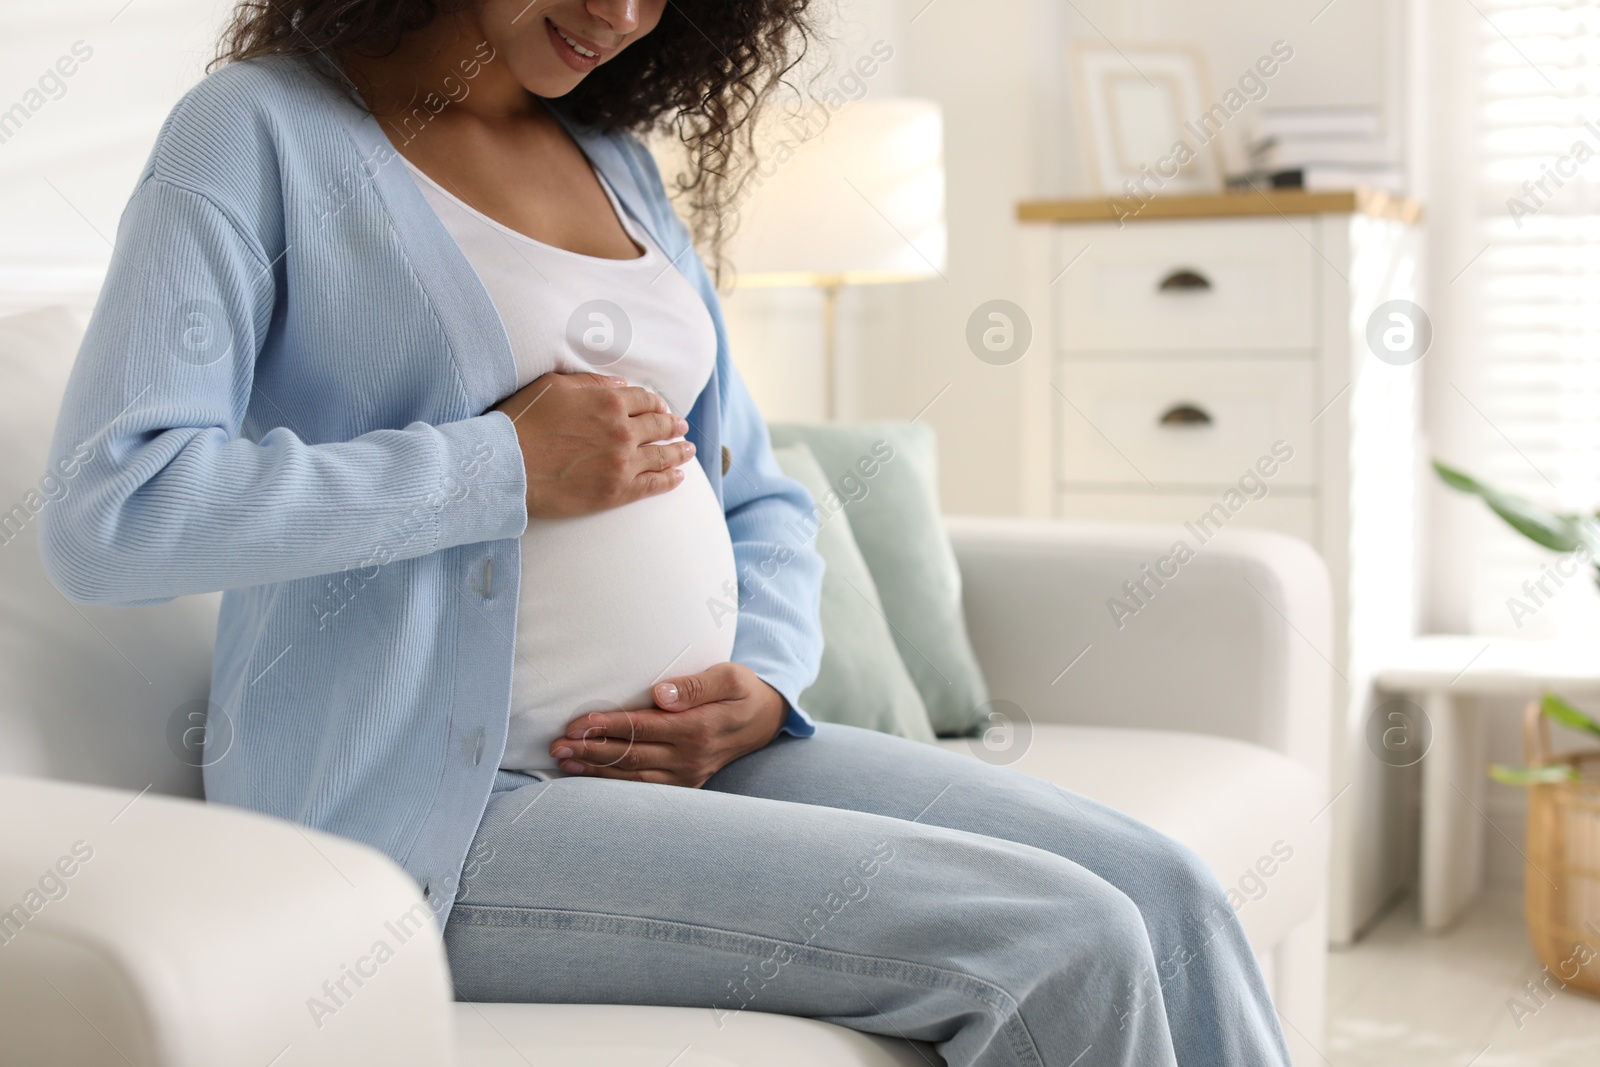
{"type": "Point", "coordinates": [613, 602]}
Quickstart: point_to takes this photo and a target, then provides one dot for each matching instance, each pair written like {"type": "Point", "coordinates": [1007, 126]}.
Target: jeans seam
{"type": "Point", "coordinates": [986, 993]}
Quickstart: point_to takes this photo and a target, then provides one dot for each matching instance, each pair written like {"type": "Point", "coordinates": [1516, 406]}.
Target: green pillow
{"type": "Point", "coordinates": [862, 681]}
{"type": "Point", "coordinates": [885, 475]}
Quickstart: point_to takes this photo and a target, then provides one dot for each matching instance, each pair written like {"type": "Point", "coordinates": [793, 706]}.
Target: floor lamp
{"type": "Point", "coordinates": [860, 203]}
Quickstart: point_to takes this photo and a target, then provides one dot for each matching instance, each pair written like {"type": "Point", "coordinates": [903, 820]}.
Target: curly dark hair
{"type": "Point", "coordinates": [702, 73]}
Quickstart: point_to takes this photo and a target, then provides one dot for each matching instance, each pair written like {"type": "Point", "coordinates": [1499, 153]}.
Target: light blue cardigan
{"type": "Point", "coordinates": [285, 385]}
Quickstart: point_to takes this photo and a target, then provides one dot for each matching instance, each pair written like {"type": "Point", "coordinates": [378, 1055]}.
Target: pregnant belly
{"type": "Point", "coordinates": [610, 604]}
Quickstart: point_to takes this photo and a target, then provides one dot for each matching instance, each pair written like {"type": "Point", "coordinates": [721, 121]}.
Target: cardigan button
{"type": "Point", "coordinates": [477, 746]}
{"type": "Point", "coordinates": [485, 588]}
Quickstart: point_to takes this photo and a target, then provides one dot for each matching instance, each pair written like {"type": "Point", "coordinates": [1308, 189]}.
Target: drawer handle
{"type": "Point", "coordinates": [1186, 415]}
{"type": "Point", "coordinates": [1184, 280]}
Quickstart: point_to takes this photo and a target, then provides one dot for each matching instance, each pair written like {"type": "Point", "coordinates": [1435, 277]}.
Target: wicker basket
{"type": "Point", "coordinates": [1562, 895]}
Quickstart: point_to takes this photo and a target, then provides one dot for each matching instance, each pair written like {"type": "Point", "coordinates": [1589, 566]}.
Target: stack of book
{"type": "Point", "coordinates": [1321, 148]}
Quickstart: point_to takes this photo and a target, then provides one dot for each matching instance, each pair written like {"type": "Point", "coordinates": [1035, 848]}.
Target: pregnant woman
{"type": "Point", "coordinates": [404, 348]}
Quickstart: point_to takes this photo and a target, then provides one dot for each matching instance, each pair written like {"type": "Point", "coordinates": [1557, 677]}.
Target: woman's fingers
{"type": "Point", "coordinates": [603, 736]}
{"type": "Point", "coordinates": [586, 378]}
{"type": "Point", "coordinates": [722, 682]}
{"type": "Point", "coordinates": [652, 483]}
{"type": "Point", "coordinates": [609, 753]}
{"type": "Point", "coordinates": [659, 763]}
{"type": "Point", "coordinates": [586, 443]}
{"type": "Point", "coordinates": [625, 727]}
{"type": "Point", "coordinates": [703, 722]}
{"type": "Point", "coordinates": [641, 401]}
{"type": "Point", "coordinates": [661, 457]}
{"type": "Point", "coordinates": [613, 745]}
{"type": "Point", "coordinates": [657, 426]}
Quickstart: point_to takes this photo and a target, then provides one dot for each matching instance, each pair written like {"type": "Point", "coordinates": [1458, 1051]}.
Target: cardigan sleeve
{"type": "Point", "coordinates": [772, 522]}
{"type": "Point", "coordinates": [167, 498]}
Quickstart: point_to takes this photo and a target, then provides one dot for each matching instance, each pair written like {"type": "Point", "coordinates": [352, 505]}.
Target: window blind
{"type": "Point", "coordinates": [1534, 329]}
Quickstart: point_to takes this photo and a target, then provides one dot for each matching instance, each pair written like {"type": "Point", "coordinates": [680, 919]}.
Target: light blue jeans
{"type": "Point", "coordinates": [874, 882]}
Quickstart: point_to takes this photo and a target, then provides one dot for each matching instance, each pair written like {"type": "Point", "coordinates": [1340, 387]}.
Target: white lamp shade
{"type": "Point", "coordinates": [861, 202]}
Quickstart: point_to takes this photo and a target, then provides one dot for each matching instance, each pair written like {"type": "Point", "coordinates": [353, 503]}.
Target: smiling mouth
{"type": "Point", "coordinates": [579, 49]}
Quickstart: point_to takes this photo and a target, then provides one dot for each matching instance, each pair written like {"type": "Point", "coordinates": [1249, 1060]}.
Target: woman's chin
{"type": "Point", "coordinates": [548, 80]}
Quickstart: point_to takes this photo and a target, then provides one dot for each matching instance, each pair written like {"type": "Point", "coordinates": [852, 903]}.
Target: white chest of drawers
{"type": "Point", "coordinates": [1207, 363]}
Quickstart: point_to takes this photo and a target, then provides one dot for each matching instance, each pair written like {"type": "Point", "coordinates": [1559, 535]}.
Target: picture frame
{"type": "Point", "coordinates": [1134, 106]}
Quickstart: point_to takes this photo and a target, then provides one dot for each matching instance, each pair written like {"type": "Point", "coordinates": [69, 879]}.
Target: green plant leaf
{"type": "Point", "coordinates": [1561, 533]}
{"type": "Point", "coordinates": [1548, 775]}
{"type": "Point", "coordinates": [1567, 715]}
{"type": "Point", "coordinates": [1456, 479]}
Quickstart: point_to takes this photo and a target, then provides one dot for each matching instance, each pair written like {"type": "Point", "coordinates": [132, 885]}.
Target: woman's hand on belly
{"type": "Point", "coordinates": [702, 723]}
{"type": "Point", "coordinates": [585, 441]}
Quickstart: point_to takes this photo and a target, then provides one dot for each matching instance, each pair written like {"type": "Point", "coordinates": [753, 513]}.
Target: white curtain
{"type": "Point", "coordinates": [84, 87]}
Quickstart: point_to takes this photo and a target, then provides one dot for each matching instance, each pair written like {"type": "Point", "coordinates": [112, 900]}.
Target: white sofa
{"type": "Point", "coordinates": [193, 935]}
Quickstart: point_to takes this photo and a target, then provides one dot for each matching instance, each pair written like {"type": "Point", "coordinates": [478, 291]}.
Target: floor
{"type": "Point", "coordinates": [1403, 999]}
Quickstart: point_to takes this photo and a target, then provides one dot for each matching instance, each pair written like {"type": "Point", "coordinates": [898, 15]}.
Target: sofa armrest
{"type": "Point", "coordinates": [1235, 641]}
{"type": "Point", "coordinates": [150, 930]}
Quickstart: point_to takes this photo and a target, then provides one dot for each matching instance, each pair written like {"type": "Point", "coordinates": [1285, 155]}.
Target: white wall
{"type": "Point", "coordinates": [68, 169]}
{"type": "Point", "coordinates": [967, 59]}
{"type": "Point", "coordinates": [904, 347]}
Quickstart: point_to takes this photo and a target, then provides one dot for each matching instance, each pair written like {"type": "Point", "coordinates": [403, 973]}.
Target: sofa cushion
{"type": "Point", "coordinates": [113, 696]}
{"type": "Point", "coordinates": [861, 681]}
{"type": "Point", "coordinates": [885, 475]}
{"type": "Point", "coordinates": [1255, 816]}
{"type": "Point", "coordinates": [587, 1035]}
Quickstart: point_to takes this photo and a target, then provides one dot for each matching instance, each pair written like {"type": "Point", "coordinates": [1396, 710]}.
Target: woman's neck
{"type": "Point", "coordinates": [435, 60]}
